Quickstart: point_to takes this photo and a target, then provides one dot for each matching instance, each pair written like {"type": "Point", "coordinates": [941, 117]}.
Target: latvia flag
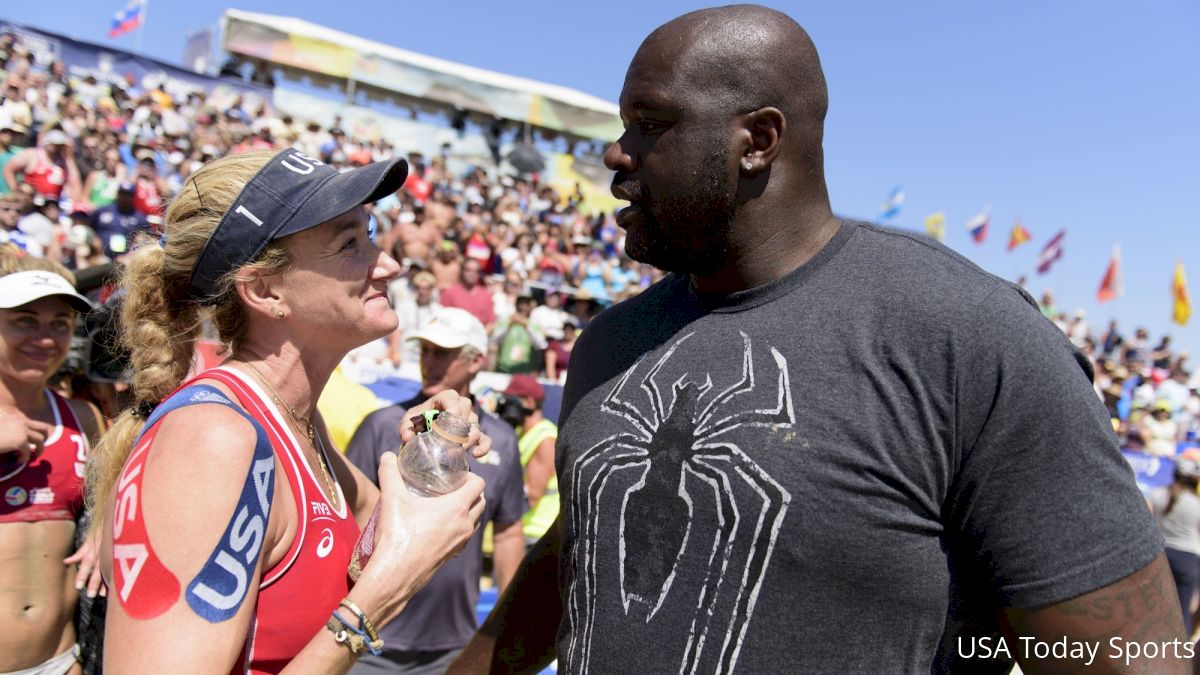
{"type": "Point", "coordinates": [1051, 253]}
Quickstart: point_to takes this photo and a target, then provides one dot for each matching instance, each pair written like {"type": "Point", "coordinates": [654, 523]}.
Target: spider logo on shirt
{"type": "Point", "coordinates": [698, 517]}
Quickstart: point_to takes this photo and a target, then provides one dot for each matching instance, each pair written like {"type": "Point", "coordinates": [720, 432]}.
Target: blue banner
{"type": "Point", "coordinates": [119, 67]}
{"type": "Point", "coordinates": [1151, 472]}
{"type": "Point", "coordinates": [395, 389]}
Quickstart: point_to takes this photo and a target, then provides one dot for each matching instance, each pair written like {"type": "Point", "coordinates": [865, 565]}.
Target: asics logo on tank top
{"type": "Point", "coordinates": [325, 545]}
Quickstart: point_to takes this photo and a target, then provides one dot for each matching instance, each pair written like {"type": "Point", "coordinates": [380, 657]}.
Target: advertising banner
{"type": "Point", "coordinates": [119, 67]}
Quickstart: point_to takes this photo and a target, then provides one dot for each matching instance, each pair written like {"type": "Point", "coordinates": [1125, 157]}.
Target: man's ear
{"type": "Point", "coordinates": [761, 135]}
{"type": "Point", "coordinates": [477, 363]}
{"type": "Point", "coordinates": [258, 293]}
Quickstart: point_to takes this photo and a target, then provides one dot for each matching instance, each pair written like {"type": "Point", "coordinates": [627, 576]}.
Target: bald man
{"type": "Point", "coordinates": [819, 446]}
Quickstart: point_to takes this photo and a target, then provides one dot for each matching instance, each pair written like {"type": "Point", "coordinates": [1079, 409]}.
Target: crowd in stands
{"type": "Point", "coordinates": [87, 168]}
{"type": "Point", "coordinates": [1150, 390]}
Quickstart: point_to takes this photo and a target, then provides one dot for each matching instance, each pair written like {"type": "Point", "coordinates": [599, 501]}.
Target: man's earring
{"type": "Point", "coordinates": [747, 164]}
{"type": "Point", "coordinates": [279, 314]}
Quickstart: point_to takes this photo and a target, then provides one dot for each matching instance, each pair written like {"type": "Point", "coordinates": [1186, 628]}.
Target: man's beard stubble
{"type": "Point", "coordinates": [689, 231]}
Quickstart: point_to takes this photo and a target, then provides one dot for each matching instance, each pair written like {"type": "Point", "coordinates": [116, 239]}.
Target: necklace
{"type": "Point", "coordinates": [301, 422]}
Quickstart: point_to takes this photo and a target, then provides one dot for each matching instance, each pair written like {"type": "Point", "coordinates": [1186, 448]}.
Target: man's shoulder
{"type": "Point", "coordinates": [914, 253]}
{"type": "Point", "coordinates": [914, 273]}
{"type": "Point", "coordinates": [388, 417]}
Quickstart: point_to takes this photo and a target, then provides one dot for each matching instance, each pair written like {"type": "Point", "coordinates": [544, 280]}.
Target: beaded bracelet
{"type": "Point", "coordinates": [356, 639]}
{"type": "Point", "coordinates": [363, 622]}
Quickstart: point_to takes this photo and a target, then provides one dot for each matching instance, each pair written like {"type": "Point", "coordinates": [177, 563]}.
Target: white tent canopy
{"type": "Point", "coordinates": [300, 45]}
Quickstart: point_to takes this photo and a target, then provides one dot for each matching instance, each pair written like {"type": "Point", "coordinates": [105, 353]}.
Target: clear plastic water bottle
{"type": "Point", "coordinates": [432, 463]}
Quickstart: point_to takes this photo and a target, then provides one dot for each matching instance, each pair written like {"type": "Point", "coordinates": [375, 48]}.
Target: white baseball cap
{"type": "Point", "coordinates": [55, 137]}
{"type": "Point", "coordinates": [21, 288]}
{"type": "Point", "coordinates": [451, 328]}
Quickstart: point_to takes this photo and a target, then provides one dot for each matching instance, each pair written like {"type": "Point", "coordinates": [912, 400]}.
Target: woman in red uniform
{"type": "Point", "coordinates": [44, 441]}
{"type": "Point", "coordinates": [229, 524]}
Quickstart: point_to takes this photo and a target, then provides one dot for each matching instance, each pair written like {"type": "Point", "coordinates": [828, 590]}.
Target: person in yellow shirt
{"type": "Point", "coordinates": [343, 405]}
{"type": "Point", "coordinates": [535, 442]}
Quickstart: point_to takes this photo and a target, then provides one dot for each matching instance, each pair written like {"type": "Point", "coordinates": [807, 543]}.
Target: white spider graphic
{"type": "Point", "coordinates": [725, 513]}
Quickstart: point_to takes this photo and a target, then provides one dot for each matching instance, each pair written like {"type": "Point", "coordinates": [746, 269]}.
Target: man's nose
{"type": "Point", "coordinates": [616, 158]}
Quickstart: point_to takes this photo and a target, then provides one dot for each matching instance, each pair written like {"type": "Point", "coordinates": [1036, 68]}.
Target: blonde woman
{"type": "Point", "coordinates": [229, 526]}
{"type": "Point", "coordinates": [44, 441]}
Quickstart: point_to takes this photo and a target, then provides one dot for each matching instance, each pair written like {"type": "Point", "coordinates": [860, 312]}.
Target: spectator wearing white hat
{"type": "Point", "coordinates": [546, 321]}
{"type": "Point", "coordinates": [1159, 431]}
{"type": "Point", "coordinates": [43, 225]}
{"type": "Point", "coordinates": [44, 441]}
{"type": "Point", "coordinates": [440, 619]}
{"type": "Point", "coordinates": [13, 104]}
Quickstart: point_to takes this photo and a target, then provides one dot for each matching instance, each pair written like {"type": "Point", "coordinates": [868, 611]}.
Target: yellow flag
{"type": "Point", "coordinates": [935, 225]}
{"type": "Point", "coordinates": [1183, 305]}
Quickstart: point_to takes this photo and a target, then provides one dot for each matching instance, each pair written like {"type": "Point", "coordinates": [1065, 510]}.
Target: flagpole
{"type": "Point", "coordinates": [137, 45]}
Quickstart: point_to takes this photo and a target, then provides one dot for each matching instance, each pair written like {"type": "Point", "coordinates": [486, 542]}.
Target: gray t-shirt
{"type": "Point", "coordinates": [442, 614]}
{"type": "Point", "coordinates": [840, 471]}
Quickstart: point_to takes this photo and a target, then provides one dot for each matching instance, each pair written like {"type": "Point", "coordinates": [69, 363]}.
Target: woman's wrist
{"type": "Point", "coordinates": [381, 606]}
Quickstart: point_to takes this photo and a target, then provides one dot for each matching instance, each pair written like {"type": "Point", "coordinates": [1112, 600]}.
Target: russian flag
{"type": "Point", "coordinates": [978, 227]}
{"type": "Point", "coordinates": [128, 19]}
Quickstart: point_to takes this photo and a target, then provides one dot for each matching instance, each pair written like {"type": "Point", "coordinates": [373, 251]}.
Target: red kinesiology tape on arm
{"type": "Point", "coordinates": [145, 587]}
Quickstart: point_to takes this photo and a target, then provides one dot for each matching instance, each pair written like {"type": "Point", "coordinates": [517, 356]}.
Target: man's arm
{"type": "Point", "coordinates": [1045, 509]}
{"type": "Point", "coordinates": [539, 471]}
{"type": "Point", "coordinates": [519, 634]}
{"type": "Point", "coordinates": [16, 165]}
{"type": "Point", "coordinates": [1122, 619]}
{"type": "Point", "coordinates": [508, 548]}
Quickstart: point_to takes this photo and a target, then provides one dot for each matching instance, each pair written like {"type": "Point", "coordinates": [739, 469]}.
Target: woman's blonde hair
{"type": "Point", "coordinates": [13, 260]}
{"type": "Point", "coordinates": [160, 322]}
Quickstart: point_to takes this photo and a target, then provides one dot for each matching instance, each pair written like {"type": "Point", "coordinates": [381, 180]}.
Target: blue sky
{"type": "Point", "coordinates": [1071, 115]}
